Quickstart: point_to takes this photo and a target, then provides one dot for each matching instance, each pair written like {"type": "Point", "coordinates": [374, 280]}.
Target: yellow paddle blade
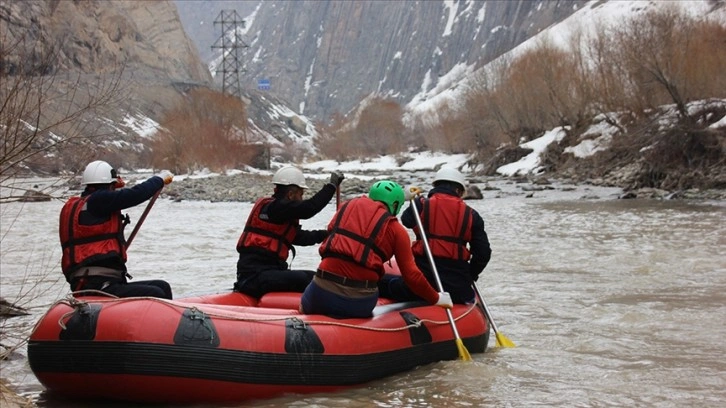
{"type": "Point", "coordinates": [463, 352]}
{"type": "Point", "coordinates": [503, 341]}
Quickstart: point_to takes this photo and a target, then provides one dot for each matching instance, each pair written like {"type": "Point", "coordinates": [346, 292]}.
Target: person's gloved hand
{"type": "Point", "coordinates": [445, 300]}
{"type": "Point", "coordinates": [411, 192]}
{"type": "Point", "coordinates": [118, 183]}
{"type": "Point", "coordinates": [336, 178]}
{"type": "Point", "coordinates": [166, 175]}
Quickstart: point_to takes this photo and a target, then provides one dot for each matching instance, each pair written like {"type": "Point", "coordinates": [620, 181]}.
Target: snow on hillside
{"type": "Point", "coordinates": [452, 87]}
{"type": "Point", "coordinates": [232, 37]}
{"type": "Point", "coordinates": [597, 137]}
{"type": "Point", "coordinates": [413, 162]}
{"type": "Point", "coordinates": [447, 92]}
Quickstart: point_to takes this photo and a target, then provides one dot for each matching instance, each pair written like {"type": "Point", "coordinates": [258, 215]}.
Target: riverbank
{"type": "Point", "coordinates": [245, 187]}
{"type": "Point", "coordinates": [248, 187]}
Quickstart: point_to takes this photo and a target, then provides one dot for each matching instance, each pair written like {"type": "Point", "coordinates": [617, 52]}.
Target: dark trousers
{"type": "Point", "coordinates": [395, 288]}
{"type": "Point", "coordinates": [316, 300]}
{"type": "Point", "coordinates": [122, 289]}
{"type": "Point", "coordinates": [273, 280]}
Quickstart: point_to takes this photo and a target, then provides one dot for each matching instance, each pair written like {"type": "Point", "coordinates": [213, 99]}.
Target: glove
{"type": "Point", "coordinates": [445, 300]}
{"type": "Point", "coordinates": [166, 175]}
{"type": "Point", "coordinates": [119, 183]}
{"type": "Point", "coordinates": [411, 192]}
{"type": "Point", "coordinates": [336, 178]}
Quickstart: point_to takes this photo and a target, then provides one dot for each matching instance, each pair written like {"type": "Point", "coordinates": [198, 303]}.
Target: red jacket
{"type": "Point", "coordinates": [355, 234]}
{"type": "Point", "coordinates": [87, 244]}
{"type": "Point", "coordinates": [259, 233]}
{"type": "Point", "coordinates": [447, 222]}
{"type": "Point", "coordinates": [348, 244]}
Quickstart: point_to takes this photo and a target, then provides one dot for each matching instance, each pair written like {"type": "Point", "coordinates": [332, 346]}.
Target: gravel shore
{"type": "Point", "coordinates": [246, 187]}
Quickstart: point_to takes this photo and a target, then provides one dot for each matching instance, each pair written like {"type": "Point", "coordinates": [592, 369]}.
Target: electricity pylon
{"type": "Point", "coordinates": [230, 42]}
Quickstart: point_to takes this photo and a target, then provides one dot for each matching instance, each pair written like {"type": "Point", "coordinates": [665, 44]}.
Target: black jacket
{"type": "Point", "coordinates": [456, 276]}
{"type": "Point", "coordinates": [102, 203]}
{"type": "Point", "coordinates": [280, 211]}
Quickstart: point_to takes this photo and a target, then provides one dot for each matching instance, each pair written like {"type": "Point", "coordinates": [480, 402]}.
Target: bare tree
{"type": "Point", "coordinates": [672, 57]}
{"type": "Point", "coordinates": [43, 110]}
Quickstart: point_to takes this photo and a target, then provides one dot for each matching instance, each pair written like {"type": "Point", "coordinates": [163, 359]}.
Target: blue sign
{"type": "Point", "coordinates": [263, 84]}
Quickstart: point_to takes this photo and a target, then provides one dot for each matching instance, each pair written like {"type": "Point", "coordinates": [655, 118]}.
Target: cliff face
{"type": "Point", "coordinates": [96, 36]}
{"type": "Point", "coordinates": [326, 56]}
{"type": "Point", "coordinates": [136, 49]}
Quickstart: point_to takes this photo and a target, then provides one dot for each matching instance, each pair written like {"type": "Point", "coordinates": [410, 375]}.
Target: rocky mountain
{"type": "Point", "coordinates": [135, 53]}
{"type": "Point", "coordinates": [326, 56]}
{"type": "Point", "coordinates": [144, 39]}
{"type": "Point", "coordinates": [114, 68]}
{"type": "Point", "coordinates": [198, 18]}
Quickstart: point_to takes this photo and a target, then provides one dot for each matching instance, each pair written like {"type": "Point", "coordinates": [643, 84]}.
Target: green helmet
{"type": "Point", "coordinates": [389, 193]}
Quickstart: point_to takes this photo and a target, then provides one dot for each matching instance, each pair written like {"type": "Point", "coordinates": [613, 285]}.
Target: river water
{"type": "Point", "coordinates": [610, 302]}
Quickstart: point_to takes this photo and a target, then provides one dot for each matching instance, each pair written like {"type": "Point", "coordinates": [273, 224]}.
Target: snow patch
{"type": "Point", "coordinates": [452, 6]}
{"type": "Point", "coordinates": [142, 125]}
{"type": "Point", "coordinates": [531, 162]}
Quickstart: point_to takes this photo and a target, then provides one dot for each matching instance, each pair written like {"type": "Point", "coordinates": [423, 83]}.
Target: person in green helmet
{"type": "Point", "coordinates": [364, 234]}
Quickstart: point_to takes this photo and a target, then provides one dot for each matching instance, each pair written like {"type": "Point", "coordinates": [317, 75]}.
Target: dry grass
{"type": "Point", "coordinates": [206, 130]}
{"type": "Point", "coordinates": [10, 399]}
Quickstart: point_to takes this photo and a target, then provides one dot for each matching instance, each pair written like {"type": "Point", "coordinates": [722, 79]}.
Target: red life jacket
{"type": "Point", "coordinates": [357, 234]}
{"type": "Point", "coordinates": [85, 245]}
{"type": "Point", "coordinates": [258, 233]}
{"type": "Point", "coordinates": [447, 223]}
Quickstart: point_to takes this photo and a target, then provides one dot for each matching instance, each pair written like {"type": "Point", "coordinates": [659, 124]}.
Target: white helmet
{"type": "Point", "coordinates": [449, 174]}
{"type": "Point", "coordinates": [289, 176]}
{"type": "Point", "coordinates": [98, 172]}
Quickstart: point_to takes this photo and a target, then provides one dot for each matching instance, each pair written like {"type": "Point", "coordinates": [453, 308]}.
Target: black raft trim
{"type": "Point", "coordinates": [188, 361]}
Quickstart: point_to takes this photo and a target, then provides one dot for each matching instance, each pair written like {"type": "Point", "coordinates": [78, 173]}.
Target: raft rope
{"type": "Point", "coordinates": [74, 303]}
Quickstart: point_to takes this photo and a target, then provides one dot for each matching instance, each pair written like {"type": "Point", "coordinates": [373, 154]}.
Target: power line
{"type": "Point", "coordinates": [230, 41]}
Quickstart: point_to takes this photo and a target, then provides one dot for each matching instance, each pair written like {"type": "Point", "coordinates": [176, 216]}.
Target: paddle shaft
{"type": "Point", "coordinates": [337, 197]}
{"type": "Point", "coordinates": [433, 265]}
{"type": "Point", "coordinates": [143, 217]}
{"type": "Point", "coordinates": [485, 309]}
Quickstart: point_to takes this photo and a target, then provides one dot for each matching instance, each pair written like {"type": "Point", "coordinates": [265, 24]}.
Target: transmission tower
{"type": "Point", "coordinates": [230, 42]}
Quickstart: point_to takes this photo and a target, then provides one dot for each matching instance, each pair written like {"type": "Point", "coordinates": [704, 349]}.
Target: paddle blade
{"type": "Point", "coordinates": [463, 352]}
{"type": "Point", "coordinates": [503, 341]}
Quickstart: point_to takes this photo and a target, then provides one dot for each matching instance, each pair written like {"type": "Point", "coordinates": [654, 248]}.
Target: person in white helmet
{"type": "Point", "coordinates": [92, 233]}
{"type": "Point", "coordinates": [273, 228]}
{"type": "Point", "coordinates": [456, 236]}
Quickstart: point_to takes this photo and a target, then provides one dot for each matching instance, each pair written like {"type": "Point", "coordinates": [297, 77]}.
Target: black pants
{"type": "Point", "coordinates": [273, 280]}
{"type": "Point", "coordinates": [122, 289]}
{"type": "Point", "coordinates": [395, 288]}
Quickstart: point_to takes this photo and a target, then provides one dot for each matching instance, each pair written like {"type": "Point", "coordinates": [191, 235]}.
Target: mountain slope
{"type": "Point", "coordinates": [101, 70]}
{"type": "Point", "coordinates": [326, 56]}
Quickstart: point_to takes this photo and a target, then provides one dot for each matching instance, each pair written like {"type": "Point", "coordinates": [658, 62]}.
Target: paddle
{"type": "Point", "coordinates": [143, 217]}
{"type": "Point", "coordinates": [337, 197]}
{"type": "Point", "coordinates": [502, 340]}
{"type": "Point", "coordinates": [463, 352]}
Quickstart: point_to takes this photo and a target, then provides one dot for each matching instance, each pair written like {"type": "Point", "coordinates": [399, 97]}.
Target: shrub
{"type": "Point", "coordinates": [207, 130]}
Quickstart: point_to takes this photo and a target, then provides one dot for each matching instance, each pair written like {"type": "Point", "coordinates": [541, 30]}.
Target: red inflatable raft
{"type": "Point", "coordinates": [229, 347]}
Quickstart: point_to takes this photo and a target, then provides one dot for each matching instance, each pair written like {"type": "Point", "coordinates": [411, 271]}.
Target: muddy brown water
{"type": "Point", "coordinates": [610, 302]}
